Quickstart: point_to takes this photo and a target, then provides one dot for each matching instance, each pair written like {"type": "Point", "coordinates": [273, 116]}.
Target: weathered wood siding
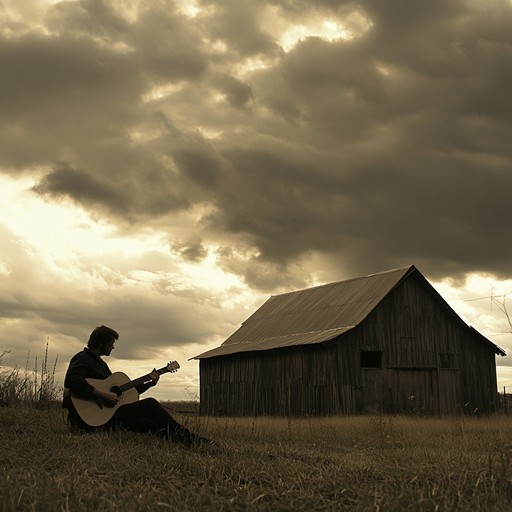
{"type": "Point", "coordinates": [431, 364]}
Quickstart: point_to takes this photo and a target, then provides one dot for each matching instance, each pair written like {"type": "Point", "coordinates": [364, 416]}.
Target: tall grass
{"type": "Point", "coordinates": [33, 385]}
{"type": "Point", "coordinates": [352, 463]}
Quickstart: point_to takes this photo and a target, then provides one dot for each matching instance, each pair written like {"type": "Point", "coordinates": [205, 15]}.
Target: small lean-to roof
{"type": "Point", "coordinates": [309, 316]}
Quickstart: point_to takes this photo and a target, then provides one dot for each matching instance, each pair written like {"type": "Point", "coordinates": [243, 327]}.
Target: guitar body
{"type": "Point", "coordinates": [96, 412]}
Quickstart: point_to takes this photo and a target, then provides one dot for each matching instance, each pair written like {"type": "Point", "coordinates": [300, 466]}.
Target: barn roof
{"type": "Point", "coordinates": [314, 315]}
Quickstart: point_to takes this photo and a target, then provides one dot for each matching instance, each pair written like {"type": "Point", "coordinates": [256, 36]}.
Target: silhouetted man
{"type": "Point", "coordinates": [145, 415]}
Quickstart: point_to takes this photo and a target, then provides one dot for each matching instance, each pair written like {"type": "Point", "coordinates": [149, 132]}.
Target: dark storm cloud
{"type": "Point", "coordinates": [117, 189]}
{"type": "Point", "coordinates": [62, 96]}
{"type": "Point", "coordinates": [414, 125]}
{"type": "Point", "coordinates": [192, 250]}
{"type": "Point", "coordinates": [237, 92]}
{"type": "Point", "coordinates": [385, 149]}
{"type": "Point", "coordinates": [78, 184]}
{"type": "Point", "coordinates": [89, 17]}
{"type": "Point", "coordinates": [160, 41]}
{"type": "Point", "coordinates": [198, 163]}
{"type": "Point", "coordinates": [239, 24]}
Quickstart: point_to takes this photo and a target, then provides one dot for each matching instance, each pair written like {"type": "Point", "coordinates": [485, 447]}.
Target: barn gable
{"type": "Point", "coordinates": [353, 346]}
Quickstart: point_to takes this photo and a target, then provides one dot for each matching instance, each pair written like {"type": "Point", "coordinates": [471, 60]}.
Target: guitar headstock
{"type": "Point", "coordinates": [173, 366]}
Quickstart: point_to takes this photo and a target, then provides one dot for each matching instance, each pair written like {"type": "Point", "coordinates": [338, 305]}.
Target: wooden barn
{"type": "Point", "coordinates": [386, 342]}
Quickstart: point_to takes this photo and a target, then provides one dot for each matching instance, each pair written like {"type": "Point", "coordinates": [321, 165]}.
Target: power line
{"type": "Point", "coordinates": [502, 305]}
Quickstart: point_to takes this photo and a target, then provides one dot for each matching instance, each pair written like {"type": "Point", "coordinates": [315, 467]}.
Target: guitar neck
{"type": "Point", "coordinates": [141, 380]}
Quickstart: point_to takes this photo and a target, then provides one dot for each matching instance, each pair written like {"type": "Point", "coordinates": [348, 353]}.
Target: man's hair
{"type": "Point", "coordinates": [100, 336]}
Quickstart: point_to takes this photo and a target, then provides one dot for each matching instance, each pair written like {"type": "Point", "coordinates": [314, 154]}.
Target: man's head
{"type": "Point", "coordinates": [102, 338]}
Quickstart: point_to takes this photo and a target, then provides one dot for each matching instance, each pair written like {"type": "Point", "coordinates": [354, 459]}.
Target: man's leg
{"type": "Point", "coordinates": [148, 415]}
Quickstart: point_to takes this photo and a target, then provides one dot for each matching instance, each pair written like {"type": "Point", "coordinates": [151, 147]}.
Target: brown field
{"type": "Point", "coordinates": [351, 463]}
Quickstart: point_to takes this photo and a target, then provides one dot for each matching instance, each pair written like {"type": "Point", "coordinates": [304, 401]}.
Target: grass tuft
{"type": "Point", "coordinates": [37, 387]}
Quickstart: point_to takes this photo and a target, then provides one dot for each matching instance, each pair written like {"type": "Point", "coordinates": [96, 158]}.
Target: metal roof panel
{"type": "Point", "coordinates": [311, 315]}
{"type": "Point", "coordinates": [289, 340]}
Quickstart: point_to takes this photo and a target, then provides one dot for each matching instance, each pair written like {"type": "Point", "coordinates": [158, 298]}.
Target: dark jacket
{"type": "Point", "coordinates": [85, 365]}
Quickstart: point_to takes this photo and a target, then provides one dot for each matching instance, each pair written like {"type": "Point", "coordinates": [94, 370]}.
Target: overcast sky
{"type": "Point", "coordinates": [166, 166]}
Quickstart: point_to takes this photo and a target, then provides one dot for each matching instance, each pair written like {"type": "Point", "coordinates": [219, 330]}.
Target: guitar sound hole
{"type": "Point", "coordinates": [116, 390]}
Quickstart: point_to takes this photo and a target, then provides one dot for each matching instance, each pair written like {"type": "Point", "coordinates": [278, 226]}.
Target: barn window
{"type": "Point", "coordinates": [371, 358]}
{"type": "Point", "coordinates": [446, 360]}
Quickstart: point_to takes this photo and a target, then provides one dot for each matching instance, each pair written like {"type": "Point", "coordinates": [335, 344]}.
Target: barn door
{"type": "Point", "coordinates": [413, 391]}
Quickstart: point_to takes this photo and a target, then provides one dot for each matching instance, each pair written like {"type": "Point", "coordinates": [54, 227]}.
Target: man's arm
{"type": "Point", "coordinates": [75, 378]}
{"type": "Point", "coordinates": [142, 388]}
{"type": "Point", "coordinates": [79, 369]}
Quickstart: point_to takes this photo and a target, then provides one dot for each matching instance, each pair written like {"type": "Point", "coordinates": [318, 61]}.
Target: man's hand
{"type": "Point", "coordinates": [108, 396]}
{"type": "Point", "coordinates": [154, 377]}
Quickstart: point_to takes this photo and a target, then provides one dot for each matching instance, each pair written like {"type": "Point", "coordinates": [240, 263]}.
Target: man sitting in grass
{"type": "Point", "coordinates": [145, 415]}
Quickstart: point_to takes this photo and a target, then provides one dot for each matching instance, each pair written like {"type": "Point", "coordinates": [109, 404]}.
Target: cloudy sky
{"type": "Point", "coordinates": [167, 165]}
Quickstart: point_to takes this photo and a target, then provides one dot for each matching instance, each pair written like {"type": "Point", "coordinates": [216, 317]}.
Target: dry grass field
{"type": "Point", "coordinates": [375, 463]}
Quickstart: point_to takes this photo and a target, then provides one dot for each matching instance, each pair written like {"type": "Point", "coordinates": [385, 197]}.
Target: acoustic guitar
{"type": "Point", "coordinates": [96, 412]}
